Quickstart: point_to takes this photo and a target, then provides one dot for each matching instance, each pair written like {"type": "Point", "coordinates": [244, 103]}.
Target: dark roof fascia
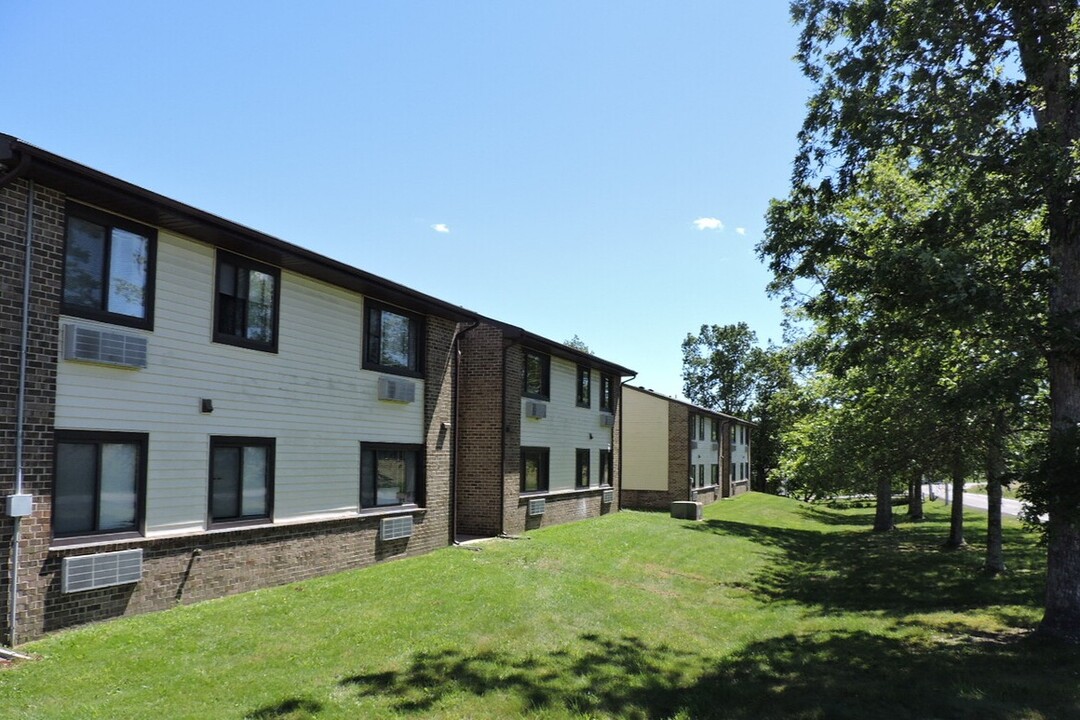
{"type": "Point", "coordinates": [110, 193]}
{"type": "Point", "coordinates": [558, 349]}
{"type": "Point", "coordinates": [692, 406]}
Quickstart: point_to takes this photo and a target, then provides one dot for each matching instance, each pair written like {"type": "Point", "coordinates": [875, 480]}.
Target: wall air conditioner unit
{"type": "Point", "coordinates": [395, 528]}
{"type": "Point", "coordinates": [715, 447]}
{"type": "Point", "coordinates": [536, 410]}
{"type": "Point", "coordinates": [607, 420]}
{"type": "Point", "coordinates": [397, 390]}
{"type": "Point", "coordinates": [119, 349]}
{"type": "Point", "coordinates": [536, 507]}
{"type": "Point", "coordinates": [608, 497]}
{"type": "Point", "coordinates": [693, 444]}
{"type": "Point", "coordinates": [89, 572]}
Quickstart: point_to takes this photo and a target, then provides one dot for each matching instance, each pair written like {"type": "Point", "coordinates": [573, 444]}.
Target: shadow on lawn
{"type": "Point", "coordinates": [837, 675]}
{"type": "Point", "coordinates": [899, 572]}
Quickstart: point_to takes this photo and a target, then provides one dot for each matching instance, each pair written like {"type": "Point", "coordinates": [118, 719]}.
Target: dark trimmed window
{"type": "Point", "coordinates": [534, 469]}
{"type": "Point", "coordinates": [241, 478]}
{"type": "Point", "coordinates": [584, 386]}
{"type": "Point", "coordinates": [393, 339]}
{"type": "Point", "coordinates": [605, 468]}
{"type": "Point", "coordinates": [714, 430]}
{"type": "Point", "coordinates": [715, 474]}
{"type": "Point", "coordinates": [537, 375]}
{"type": "Point", "coordinates": [607, 393]}
{"type": "Point", "coordinates": [108, 268]}
{"type": "Point", "coordinates": [246, 303]}
{"type": "Point", "coordinates": [391, 474]}
{"type": "Point", "coordinates": [581, 468]}
{"type": "Point", "coordinates": [99, 485]}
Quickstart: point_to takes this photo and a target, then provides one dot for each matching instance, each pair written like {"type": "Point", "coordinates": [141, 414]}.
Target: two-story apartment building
{"type": "Point", "coordinates": [192, 408]}
{"type": "Point", "coordinates": [674, 450]}
{"type": "Point", "coordinates": [539, 444]}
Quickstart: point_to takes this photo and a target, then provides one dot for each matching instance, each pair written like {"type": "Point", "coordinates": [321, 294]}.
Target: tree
{"type": "Point", "coordinates": [578, 344]}
{"type": "Point", "coordinates": [994, 91]}
{"type": "Point", "coordinates": [718, 367]}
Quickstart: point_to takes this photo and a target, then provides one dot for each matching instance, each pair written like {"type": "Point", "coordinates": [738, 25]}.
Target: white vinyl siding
{"type": "Point", "coordinates": [311, 395]}
{"type": "Point", "coordinates": [704, 454]}
{"type": "Point", "coordinates": [740, 452]}
{"type": "Point", "coordinates": [644, 441]}
{"type": "Point", "coordinates": [567, 427]}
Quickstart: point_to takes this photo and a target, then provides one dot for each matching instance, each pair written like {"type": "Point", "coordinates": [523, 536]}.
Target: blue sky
{"type": "Point", "coordinates": [590, 168]}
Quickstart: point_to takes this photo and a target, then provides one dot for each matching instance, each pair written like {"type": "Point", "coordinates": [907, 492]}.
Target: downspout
{"type": "Point", "coordinates": [20, 402]}
{"type": "Point", "coordinates": [455, 414]}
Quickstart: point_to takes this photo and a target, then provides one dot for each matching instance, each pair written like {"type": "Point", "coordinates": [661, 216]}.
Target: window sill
{"type": "Point", "coordinates": [707, 488]}
{"type": "Point", "coordinates": [530, 494]}
{"type": "Point", "coordinates": [84, 541]}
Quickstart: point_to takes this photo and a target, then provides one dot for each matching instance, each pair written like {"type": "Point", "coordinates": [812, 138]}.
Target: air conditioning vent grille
{"type": "Point", "coordinates": [536, 410]}
{"type": "Point", "coordinates": [609, 497]}
{"type": "Point", "coordinates": [395, 528]}
{"type": "Point", "coordinates": [397, 390]}
{"type": "Point", "coordinates": [607, 420]}
{"type": "Point", "coordinates": [693, 445]}
{"type": "Point", "coordinates": [537, 506]}
{"type": "Point", "coordinates": [89, 572]}
{"type": "Point", "coordinates": [89, 344]}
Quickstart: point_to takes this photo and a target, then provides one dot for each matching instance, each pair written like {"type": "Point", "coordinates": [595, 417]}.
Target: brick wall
{"type": "Point", "coordinates": [678, 451]}
{"type": "Point", "coordinates": [514, 515]}
{"type": "Point", "coordinates": [46, 268]}
{"type": "Point", "coordinates": [646, 499]}
{"type": "Point", "coordinates": [480, 415]}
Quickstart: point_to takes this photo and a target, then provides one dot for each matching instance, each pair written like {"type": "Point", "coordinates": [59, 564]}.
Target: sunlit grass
{"type": "Point", "coordinates": [768, 608]}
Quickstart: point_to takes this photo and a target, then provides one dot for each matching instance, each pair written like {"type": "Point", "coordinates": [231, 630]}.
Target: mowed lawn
{"type": "Point", "coordinates": [769, 608]}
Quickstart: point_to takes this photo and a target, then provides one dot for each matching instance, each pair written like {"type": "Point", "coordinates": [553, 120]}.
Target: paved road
{"type": "Point", "coordinates": [976, 500]}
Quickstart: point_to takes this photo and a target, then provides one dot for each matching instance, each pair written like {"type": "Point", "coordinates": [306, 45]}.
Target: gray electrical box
{"type": "Point", "coordinates": [20, 505]}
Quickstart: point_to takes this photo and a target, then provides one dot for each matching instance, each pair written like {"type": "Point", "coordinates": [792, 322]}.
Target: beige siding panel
{"type": "Point", "coordinates": [645, 441]}
{"type": "Point", "coordinates": [311, 395]}
{"type": "Point", "coordinates": [567, 427]}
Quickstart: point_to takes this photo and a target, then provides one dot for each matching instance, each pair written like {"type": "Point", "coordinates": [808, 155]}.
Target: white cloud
{"type": "Point", "coordinates": [709, 223]}
{"type": "Point", "coordinates": [741, 231]}
{"type": "Point", "coordinates": [441, 228]}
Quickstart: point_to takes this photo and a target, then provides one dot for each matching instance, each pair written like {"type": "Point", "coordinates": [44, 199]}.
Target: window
{"type": "Point", "coordinates": [715, 474]}
{"type": "Point", "coordinates": [581, 472]}
{"type": "Point", "coordinates": [714, 430]}
{"type": "Point", "coordinates": [392, 340]}
{"type": "Point", "coordinates": [246, 303]}
{"type": "Point", "coordinates": [537, 375]}
{"type": "Point", "coordinates": [701, 427]}
{"type": "Point", "coordinates": [241, 478]}
{"type": "Point", "coordinates": [734, 430]}
{"type": "Point", "coordinates": [534, 469]}
{"type": "Point", "coordinates": [607, 393]}
{"type": "Point", "coordinates": [701, 476]}
{"type": "Point", "coordinates": [391, 474]}
{"type": "Point", "coordinates": [605, 468]}
{"type": "Point", "coordinates": [99, 483]}
{"type": "Point", "coordinates": [584, 387]}
{"type": "Point", "coordinates": [108, 268]}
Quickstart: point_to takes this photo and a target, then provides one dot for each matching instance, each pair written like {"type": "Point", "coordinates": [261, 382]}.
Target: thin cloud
{"type": "Point", "coordinates": [441, 228]}
{"type": "Point", "coordinates": [709, 223]}
{"type": "Point", "coordinates": [740, 231]}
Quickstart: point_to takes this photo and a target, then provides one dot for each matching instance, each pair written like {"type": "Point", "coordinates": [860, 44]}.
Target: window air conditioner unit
{"type": "Point", "coordinates": [607, 420]}
{"type": "Point", "coordinates": [536, 410]}
{"type": "Point", "coordinates": [715, 447]}
{"type": "Point", "coordinates": [608, 498]}
{"type": "Point", "coordinates": [395, 528]}
{"type": "Point", "coordinates": [397, 390]}
{"type": "Point", "coordinates": [693, 444]}
{"type": "Point", "coordinates": [536, 506]}
{"type": "Point", "coordinates": [89, 572]}
{"type": "Point", "coordinates": [87, 344]}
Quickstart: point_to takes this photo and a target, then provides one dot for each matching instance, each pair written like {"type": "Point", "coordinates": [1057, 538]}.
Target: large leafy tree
{"type": "Point", "coordinates": [980, 99]}
{"type": "Point", "coordinates": [719, 367]}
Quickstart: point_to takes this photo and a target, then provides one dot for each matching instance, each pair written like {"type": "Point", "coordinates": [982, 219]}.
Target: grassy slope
{"type": "Point", "coordinates": [769, 608]}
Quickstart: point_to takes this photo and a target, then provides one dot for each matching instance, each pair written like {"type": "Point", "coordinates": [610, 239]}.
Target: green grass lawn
{"type": "Point", "coordinates": [769, 608]}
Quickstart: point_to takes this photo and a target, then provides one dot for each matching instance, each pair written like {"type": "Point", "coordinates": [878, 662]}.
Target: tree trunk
{"type": "Point", "coordinates": [956, 520]}
{"type": "Point", "coordinates": [915, 509]}
{"type": "Point", "coordinates": [1044, 36]}
{"type": "Point", "coordinates": [995, 469]}
{"type": "Point", "coordinates": [883, 518]}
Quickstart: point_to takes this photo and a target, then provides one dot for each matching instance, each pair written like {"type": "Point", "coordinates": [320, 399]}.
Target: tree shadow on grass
{"type": "Point", "coordinates": [290, 709]}
{"type": "Point", "coordinates": [898, 572]}
{"type": "Point", "coordinates": [828, 675]}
